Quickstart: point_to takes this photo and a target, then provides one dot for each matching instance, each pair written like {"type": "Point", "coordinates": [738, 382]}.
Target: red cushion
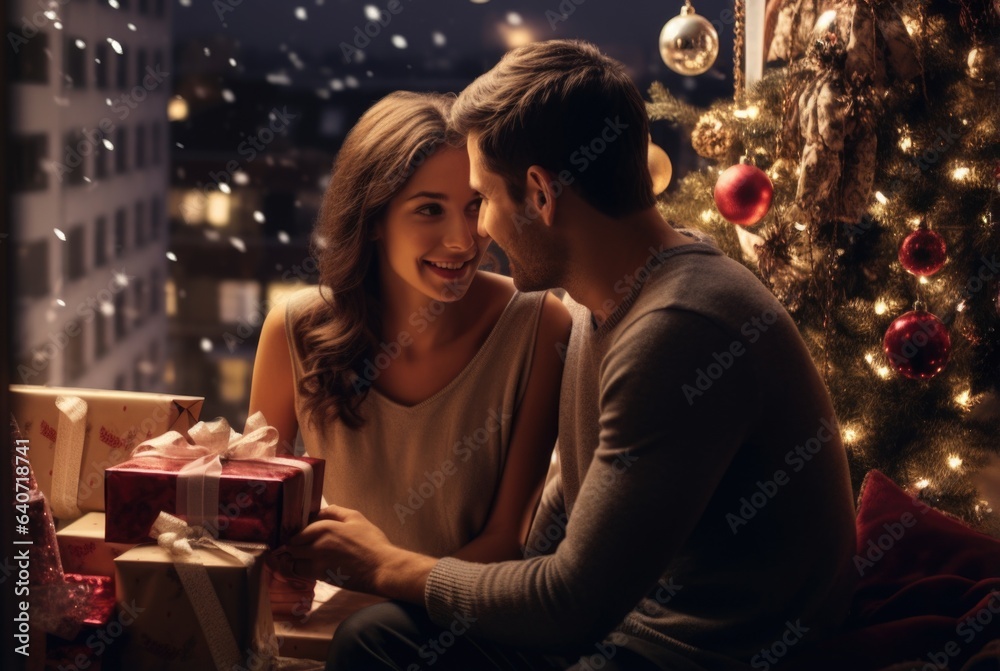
{"type": "Point", "coordinates": [923, 576]}
{"type": "Point", "coordinates": [902, 540]}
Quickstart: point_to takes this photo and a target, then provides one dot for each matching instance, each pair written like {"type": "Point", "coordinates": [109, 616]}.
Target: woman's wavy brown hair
{"type": "Point", "coordinates": [379, 154]}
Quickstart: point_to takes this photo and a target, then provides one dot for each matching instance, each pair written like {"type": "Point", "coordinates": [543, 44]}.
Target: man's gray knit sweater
{"type": "Point", "coordinates": [703, 477]}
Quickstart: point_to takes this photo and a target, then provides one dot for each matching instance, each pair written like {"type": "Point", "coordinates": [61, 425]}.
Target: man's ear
{"type": "Point", "coordinates": [541, 196]}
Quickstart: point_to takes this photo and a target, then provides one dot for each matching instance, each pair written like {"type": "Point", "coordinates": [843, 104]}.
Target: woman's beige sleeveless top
{"type": "Point", "coordinates": [427, 474]}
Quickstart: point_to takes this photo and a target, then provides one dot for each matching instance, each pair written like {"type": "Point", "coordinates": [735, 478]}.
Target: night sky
{"type": "Point", "coordinates": [628, 31]}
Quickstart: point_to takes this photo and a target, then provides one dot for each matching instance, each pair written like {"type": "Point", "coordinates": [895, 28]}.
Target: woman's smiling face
{"type": "Point", "coordinates": [428, 238]}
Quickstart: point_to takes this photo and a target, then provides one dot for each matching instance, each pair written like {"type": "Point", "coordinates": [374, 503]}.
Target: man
{"type": "Point", "coordinates": [702, 514]}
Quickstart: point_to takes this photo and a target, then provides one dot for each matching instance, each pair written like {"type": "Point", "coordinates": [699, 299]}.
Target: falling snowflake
{"type": "Point", "coordinates": [300, 13]}
{"type": "Point", "coordinates": [59, 234]}
{"type": "Point", "coordinates": [279, 79]}
{"type": "Point", "coordinates": [399, 41]}
{"type": "Point", "coordinates": [238, 244]}
{"type": "Point", "coordinates": [439, 39]}
{"type": "Point", "coordinates": [228, 96]}
{"type": "Point", "coordinates": [284, 237]}
{"type": "Point", "coordinates": [206, 345]}
{"type": "Point", "coordinates": [258, 216]}
{"type": "Point", "coordinates": [171, 256]}
{"type": "Point", "coordinates": [116, 45]}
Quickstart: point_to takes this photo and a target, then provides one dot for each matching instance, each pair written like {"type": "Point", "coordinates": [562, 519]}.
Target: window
{"type": "Point", "coordinates": [120, 225]}
{"type": "Point", "coordinates": [30, 62]}
{"type": "Point", "coordinates": [238, 302]}
{"type": "Point", "coordinates": [154, 356]}
{"type": "Point", "coordinates": [140, 147]}
{"type": "Point", "coordinates": [121, 70]}
{"type": "Point", "coordinates": [155, 217]}
{"type": "Point", "coordinates": [73, 164]}
{"type": "Point", "coordinates": [100, 242]}
{"type": "Point", "coordinates": [140, 224]}
{"type": "Point", "coordinates": [74, 63]}
{"type": "Point", "coordinates": [101, 65]}
{"type": "Point", "coordinates": [26, 170]}
{"type": "Point", "coordinates": [139, 380]}
{"type": "Point", "coordinates": [121, 329]}
{"type": "Point", "coordinates": [33, 367]}
{"type": "Point", "coordinates": [100, 335]}
{"type": "Point", "coordinates": [139, 299]}
{"type": "Point", "coordinates": [100, 156]}
{"type": "Point", "coordinates": [73, 356]}
{"type": "Point", "coordinates": [121, 150]}
{"type": "Point", "coordinates": [73, 253]}
{"type": "Point", "coordinates": [157, 144]}
{"type": "Point", "coordinates": [158, 63]}
{"type": "Point", "coordinates": [156, 291]}
{"type": "Point", "coordinates": [33, 269]}
{"type": "Point", "coordinates": [234, 378]}
{"type": "Point", "coordinates": [142, 61]}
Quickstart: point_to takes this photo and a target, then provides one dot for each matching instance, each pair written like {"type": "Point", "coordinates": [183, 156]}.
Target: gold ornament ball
{"type": "Point", "coordinates": [660, 168]}
{"type": "Point", "coordinates": [689, 43]}
{"type": "Point", "coordinates": [981, 65]}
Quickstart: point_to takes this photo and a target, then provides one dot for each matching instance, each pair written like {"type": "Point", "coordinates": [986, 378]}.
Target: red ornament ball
{"type": "Point", "coordinates": [923, 252]}
{"type": "Point", "coordinates": [743, 194]}
{"type": "Point", "coordinates": [918, 345]}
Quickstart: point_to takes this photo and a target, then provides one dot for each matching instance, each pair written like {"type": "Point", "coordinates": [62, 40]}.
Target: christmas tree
{"type": "Point", "coordinates": [877, 130]}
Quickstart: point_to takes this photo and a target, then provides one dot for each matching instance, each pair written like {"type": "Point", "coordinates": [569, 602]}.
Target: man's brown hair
{"type": "Point", "coordinates": [567, 107]}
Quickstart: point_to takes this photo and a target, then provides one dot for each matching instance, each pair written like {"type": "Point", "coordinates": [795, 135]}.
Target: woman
{"type": "Point", "coordinates": [430, 387]}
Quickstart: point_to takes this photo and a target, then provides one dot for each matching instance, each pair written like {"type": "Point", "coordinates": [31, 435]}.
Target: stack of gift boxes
{"type": "Point", "coordinates": [172, 516]}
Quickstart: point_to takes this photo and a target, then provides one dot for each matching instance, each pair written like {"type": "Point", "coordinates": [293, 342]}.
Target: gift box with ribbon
{"type": "Point", "coordinates": [199, 603]}
{"type": "Point", "coordinates": [76, 433]}
{"type": "Point", "coordinates": [231, 484]}
{"type": "Point", "coordinates": [82, 547]}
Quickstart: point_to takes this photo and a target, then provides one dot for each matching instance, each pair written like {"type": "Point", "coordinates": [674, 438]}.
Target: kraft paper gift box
{"type": "Point", "coordinates": [250, 496]}
{"type": "Point", "coordinates": [306, 633]}
{"type": "Point", "coordinates": [83, 549]}
{"type": "Point", "coordinates": [197, 607]}
{"type": "Point", "coordinates": [75, 433]}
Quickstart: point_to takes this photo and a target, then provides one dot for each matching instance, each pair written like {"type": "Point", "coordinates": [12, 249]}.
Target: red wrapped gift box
{"type": "Point", "coordinates": [259, 501]}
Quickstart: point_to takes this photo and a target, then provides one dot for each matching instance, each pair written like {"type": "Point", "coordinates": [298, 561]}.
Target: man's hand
{"type": "Point", "coordinates": [343, 540]}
